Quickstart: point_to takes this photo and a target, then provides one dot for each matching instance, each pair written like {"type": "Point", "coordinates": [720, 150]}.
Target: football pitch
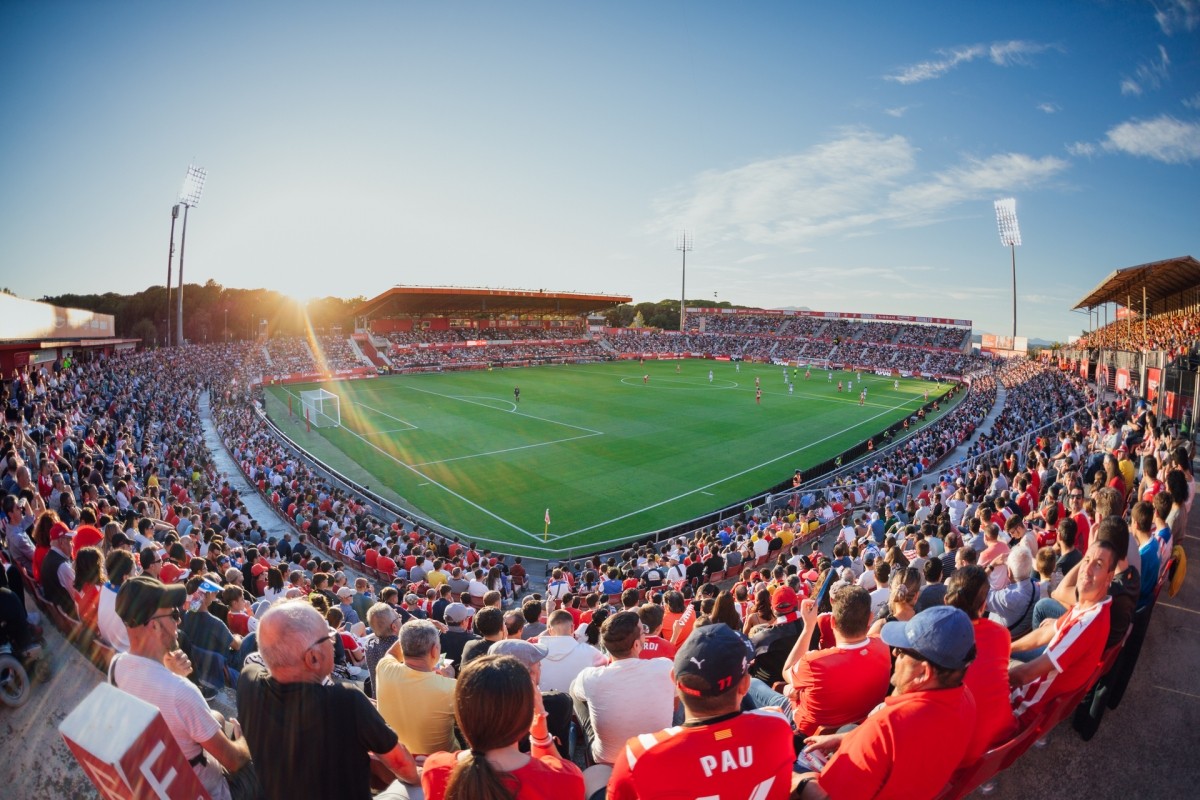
{"type": "Point", "coordinates": [613, 450]}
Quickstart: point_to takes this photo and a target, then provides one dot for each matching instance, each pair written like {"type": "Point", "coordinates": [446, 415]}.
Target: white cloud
{"type": "Point", "coordinates": [846, 187]}
{"type": "Point", "coordinates": [896, 112]}
{"type": "Point", "coordinates": [1163, 138]}
{"type": "Point", "coordinates": [1005, 54]}
{"type": "Point", "coordinates": [928, 70]}
{"type": "Point", "coordinates": [1177, 15]}
{"type": "Point", "coordinates": [1048, 108]}
{"type": "Point", "coordinates": [1083, 149]}
{"type": "Point", "coordinates": [1148, 75]}
{"type": "Point", "coordinates": [1192, 102]}
{"type": "Point", "coordinates": [1002, 54]}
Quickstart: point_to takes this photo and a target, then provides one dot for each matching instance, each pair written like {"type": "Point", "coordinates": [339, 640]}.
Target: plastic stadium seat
{"type": "Point", "coordinates": [1000, 757]}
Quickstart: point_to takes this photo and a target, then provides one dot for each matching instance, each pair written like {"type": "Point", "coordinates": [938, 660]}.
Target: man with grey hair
{"type": "Point", "coordinates": [309, 736]}
{"type": "Point", "coordinates": [384, 622]}
{"type": "Point", "coordinates": [415, 693]}
{"type": "Point", "coordinates": [1012, 605]}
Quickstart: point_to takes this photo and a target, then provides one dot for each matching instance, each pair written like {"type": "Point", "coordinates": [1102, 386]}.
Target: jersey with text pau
{"type": "Point", "coordinates": [745, 756]}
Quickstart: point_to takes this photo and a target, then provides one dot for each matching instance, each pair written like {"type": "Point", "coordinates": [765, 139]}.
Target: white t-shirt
{"type": "Point", "coordinates": [625, 699]}
{"type": "Point", "coordinates": [112, 628]}
{"type": "Point", "coordinates": [566, 659]}
{"type": "Point", "coordinates": [182, 708]}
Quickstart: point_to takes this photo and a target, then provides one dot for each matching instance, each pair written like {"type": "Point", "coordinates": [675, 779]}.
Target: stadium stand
{"type": "Point", "coordinates": [112, 446]}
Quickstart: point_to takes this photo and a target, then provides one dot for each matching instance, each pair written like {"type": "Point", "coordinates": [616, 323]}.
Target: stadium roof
{"type": "Point", "coordinates": [445, 299]}
{"type": "Point", "coordinates": [1162, 281]}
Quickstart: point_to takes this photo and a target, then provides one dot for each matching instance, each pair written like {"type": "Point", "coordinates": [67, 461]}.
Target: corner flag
{"type": "Point", "coordinates": [546, 532]}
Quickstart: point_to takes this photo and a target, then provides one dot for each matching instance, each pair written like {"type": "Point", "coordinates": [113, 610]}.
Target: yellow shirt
{"type": "Point", "coordinates": [787, 534]}
{"type": "Point", "coordinates": [418, 706]}
{"type": "Point", "coordinates": [435, 578]}
{"type": "Point", "coordinates": [1127, 472]}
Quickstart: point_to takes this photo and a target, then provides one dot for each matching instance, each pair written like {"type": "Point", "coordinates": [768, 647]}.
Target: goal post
{"type": "Point", "coordinates": [322, 409]}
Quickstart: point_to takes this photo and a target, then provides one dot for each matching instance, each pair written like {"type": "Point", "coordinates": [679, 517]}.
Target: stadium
{"type": "Point", "coordinates": [490, 424]}
{"type": "Point", "coordinates": [620, 401]}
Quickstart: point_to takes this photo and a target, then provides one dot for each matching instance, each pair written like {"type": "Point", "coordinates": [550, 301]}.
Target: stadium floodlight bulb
{"type": "Point", "coordinates": [683, 240]}
{"type": "Point", "coordinates": [1006, 219]}
{"type": "Point", "coordinates": [193, 186]}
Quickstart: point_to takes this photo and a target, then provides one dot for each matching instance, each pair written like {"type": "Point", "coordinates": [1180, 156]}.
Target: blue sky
{"type": "Point", "coordinates": [824, 155]}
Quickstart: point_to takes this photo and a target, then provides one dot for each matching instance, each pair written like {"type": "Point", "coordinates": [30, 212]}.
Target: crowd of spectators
{"type": "Point", "coordinates": [115, 515]}
{"type": "Point", "coordinates": [337, 353]}
{"type": "Point", "coordinates": [1175, 332]}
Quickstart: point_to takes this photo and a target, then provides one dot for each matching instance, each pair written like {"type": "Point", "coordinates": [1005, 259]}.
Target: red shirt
{"type": "Point", "coordinates": [744, 755]}
{"type": "Point", "coordinates": [987, 678]}
{"type": "Point", "coordinates": [371, 557]}
{"type": "Point", "coordinates": [386, 565]}
{"type": "Point", "coordinates": [889, 755]}
{"type": "Point", "coordinates": [1075, 650]}
{"type": "Point", "coordinates": [1084, 530]}
{"type": "Point", "coordinates": [548, 777]}
{"type": "Point", "coordinates": [657, 647]}
{"type": "Point", "coordinates": [839, 685]}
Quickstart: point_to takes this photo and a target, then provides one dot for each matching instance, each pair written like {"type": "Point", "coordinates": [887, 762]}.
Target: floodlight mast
{"type": "Point", "coordinates": [1010, 237]}
{"type": "Point", "coordinates": [170, 258]}
{"type": "Point", "coordinates": [189, 197]}
{"type": "Point", "coordinates": [683, 243]}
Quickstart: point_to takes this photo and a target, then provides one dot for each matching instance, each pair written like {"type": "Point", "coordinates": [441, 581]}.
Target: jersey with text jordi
{"type": "Point", "coordinates": [744, 756]}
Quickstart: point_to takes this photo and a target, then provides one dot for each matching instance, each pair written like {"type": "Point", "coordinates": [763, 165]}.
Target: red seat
{"type": "Point", "coordinates": [967, 779]}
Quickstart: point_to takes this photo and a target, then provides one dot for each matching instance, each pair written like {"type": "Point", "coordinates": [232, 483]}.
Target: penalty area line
{"type": "Point", "coordinates": [436, 483]}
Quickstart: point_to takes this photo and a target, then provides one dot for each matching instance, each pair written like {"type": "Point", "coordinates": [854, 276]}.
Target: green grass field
{"type": "Point", "coordinates": [611, 456]}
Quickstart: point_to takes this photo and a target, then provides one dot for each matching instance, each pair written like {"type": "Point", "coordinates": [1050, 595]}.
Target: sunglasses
{"type": "Point", "coordinates": [913, 654]}
{"type": "Point", "coordinates": [174, 614]}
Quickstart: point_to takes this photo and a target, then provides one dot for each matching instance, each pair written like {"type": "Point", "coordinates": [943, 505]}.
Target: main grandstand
{"type": "Point", "coordinates": [194, 419]}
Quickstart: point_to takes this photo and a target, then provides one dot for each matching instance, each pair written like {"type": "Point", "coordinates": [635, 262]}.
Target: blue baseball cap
{"type": "Point", "coordinates": [711, 661]}
{"type": "Point", "coordinates": [943, 635]}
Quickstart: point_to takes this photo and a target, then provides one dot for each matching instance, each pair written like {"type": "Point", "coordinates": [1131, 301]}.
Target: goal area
{"type": "Point", "coordinates": [322, 409]}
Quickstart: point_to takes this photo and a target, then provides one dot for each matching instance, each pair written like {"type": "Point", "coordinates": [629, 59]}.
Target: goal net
{"type": "Point", "coordinates": [321, 408]}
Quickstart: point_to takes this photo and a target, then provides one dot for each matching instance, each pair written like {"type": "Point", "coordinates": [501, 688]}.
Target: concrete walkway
{"type": "Point", "coordinates": [259, 509]}
{"type": "Point", "coordinates": [960, 452]}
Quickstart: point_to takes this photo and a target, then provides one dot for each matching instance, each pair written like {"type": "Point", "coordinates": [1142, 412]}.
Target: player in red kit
{"type": "Point", "coordinates": [719, 750]}
{"type": "Point", "coordinates": [758, 396]}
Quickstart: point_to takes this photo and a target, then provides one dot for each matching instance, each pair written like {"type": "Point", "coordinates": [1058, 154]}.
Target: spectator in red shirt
{"type": "Point", "coordinates": [987, 677]}
{"type": "Point", "coordinates": [889, 754]}
{"type": "Point", "coordinates": [494, 702]}
{"type": "Point", "coordinates": [840, 684]}
{"type": "Point", "coordinates": [1074, 644]}
{"type": "Point", "coordinates": [652, 621]}
{"type": "Point", "coordinates": [719, 748]}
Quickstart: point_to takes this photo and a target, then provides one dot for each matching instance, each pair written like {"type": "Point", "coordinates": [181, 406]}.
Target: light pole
{"type": "Point", "coordinates": [170, 258]}
{"type": "Point", "coordinates": [225, 334]}
{"type": "Point", "coordinates": [1010, 237]}
{"type": "Point", "coordinates": [683, 243]}
{"type": "Point", "coordinates": [189, 197]}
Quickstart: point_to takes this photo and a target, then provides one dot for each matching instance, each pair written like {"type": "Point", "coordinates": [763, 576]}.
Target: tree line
{"type": "Point", "coordinates": [212, 312]}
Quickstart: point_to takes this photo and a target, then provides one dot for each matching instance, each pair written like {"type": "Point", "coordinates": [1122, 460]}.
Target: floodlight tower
{"type": "Point", "coordinates": [189, 197]}
{"type": "Point", "coordinates": [170, 258]}
{"type": "Point", "coordinates": [683, 243]}
{"type": "Point", "coordinates": [1010, 237]}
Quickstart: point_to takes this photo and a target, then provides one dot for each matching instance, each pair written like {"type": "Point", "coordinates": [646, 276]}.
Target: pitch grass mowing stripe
{"type": "Point", "coordinates": [663, 446]}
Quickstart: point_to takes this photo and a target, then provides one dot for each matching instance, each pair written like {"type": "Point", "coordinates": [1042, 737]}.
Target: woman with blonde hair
{"type": "Point", "coordinates": [901, 605]}
{"type": "Point", "coordinates": [496, 705]}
